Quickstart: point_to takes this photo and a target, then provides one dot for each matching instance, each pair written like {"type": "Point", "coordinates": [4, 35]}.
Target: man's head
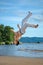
{"type": "Point", "coordinates": [17, 43]}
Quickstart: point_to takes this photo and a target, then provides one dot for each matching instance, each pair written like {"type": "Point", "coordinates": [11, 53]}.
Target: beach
{"type": "Point", "coordinates": [11, 60]}
{"type": "Point", "coordinates": [25, 54]}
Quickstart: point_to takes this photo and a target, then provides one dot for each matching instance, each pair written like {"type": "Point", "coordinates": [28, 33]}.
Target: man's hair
{"type": "Point", "coordinates": [17, 43]}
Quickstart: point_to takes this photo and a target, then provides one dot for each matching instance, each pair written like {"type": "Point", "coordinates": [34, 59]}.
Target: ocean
{"type": "Point", "coordinates": [23, 50]}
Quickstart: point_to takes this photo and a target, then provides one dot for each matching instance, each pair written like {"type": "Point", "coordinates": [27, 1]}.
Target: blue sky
{"type": "Point", "coordinates": [13, 11]}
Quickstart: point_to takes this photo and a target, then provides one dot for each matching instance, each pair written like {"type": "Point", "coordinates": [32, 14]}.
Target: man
{"type": "Point", "coordinates": [23, 28]}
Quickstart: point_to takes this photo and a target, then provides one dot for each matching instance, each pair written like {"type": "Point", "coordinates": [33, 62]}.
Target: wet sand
{"type": "Point", "coordinates": [10, 60]}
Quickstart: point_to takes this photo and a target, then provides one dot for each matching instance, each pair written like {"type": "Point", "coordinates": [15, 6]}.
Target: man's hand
{"type": "Point", "coordinates": [30, 13]}
{"type": "Point", "coordinates": [36, 26]}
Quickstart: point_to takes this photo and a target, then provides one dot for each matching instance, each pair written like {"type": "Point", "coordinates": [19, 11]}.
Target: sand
{"type": "Point", "coordinates": [10, 60]}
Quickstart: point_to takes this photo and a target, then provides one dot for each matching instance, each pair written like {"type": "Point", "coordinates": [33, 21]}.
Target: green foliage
{"type": "Point", "coordinates": [2, 43]}
{"type": "Point", "coordinates": [1, 32]}
{"type": "Point", "coordinates": [6, 35]}
{"type": "Point", "coordinates": [1, 28]}
{"type": "Point", "coordinates": [7, 42]}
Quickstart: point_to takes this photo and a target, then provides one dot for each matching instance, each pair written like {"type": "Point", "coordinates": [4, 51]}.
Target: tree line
{"type": "Point", "coordinates": [6, 35]}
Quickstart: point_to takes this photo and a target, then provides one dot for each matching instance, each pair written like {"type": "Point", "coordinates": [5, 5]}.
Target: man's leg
{"type": "Point", "coordinates": [31, 25]}
{"type": "Point", "coordinates": [26, 18]}
{"type": "Point", "coordinates": [23, 29]}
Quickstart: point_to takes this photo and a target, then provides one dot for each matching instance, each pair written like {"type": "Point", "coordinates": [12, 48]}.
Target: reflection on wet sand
{"type": "Point", "coordinates": [32, 50]}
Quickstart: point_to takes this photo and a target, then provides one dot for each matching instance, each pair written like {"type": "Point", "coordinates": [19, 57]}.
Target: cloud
{"type": "Point", "coordinates": [37, 15]}
{"type": "Point", "coordinates": [14, 8]}
{"type": "Point", "coordinates": [13, 12]}
{"type": "Point", "coordinates": [20, 3]}
{"type": "Point", "coordinates": [30, 2]}
{"type": "Point", "coordinates": [6, 3]}
{"type": "Point", "coordinates": [13, 19]}
{"type": "Point", "coordinates": [38, 18]}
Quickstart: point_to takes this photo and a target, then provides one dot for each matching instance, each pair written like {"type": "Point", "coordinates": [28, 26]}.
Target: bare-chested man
{"type": "Point", "coordinates": [22, 29]}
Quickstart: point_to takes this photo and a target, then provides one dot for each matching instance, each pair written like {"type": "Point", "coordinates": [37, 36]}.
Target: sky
{"type": "Point", "coordinates": [12, 13]}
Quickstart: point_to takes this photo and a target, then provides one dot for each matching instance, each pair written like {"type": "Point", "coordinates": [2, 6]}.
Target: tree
{"type": "Point", "coordinates": [8, 34]}
{"type": "Point", "coordinates": [1, 28]}
{"type": "Point", "coordinates": [1, 32]}
{"type": "Point", "coordinates": [5, 34]}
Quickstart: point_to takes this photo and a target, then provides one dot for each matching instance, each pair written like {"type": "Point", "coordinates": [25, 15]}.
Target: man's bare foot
{"type": "Point", "coordinates": [36, 26]}
{"type": "Point", "coordinates": [30, 13]}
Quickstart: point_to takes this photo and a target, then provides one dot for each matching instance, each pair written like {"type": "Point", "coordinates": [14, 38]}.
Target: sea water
{"type": "Point", "coordinates": [22, 50]}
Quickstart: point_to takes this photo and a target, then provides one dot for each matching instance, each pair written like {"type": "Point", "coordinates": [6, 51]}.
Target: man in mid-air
{"type": "Point", "coordinates": [22, 29]}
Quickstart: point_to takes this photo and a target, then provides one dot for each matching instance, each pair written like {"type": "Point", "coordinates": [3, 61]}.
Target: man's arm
{"type": "Point", "coordinates": [18, 26]}
{"type": "Point", "coordinates": [12, 30]}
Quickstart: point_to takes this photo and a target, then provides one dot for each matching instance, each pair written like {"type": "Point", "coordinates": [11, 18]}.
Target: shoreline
{"type": "Point", "coordinates": [12, 60]}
